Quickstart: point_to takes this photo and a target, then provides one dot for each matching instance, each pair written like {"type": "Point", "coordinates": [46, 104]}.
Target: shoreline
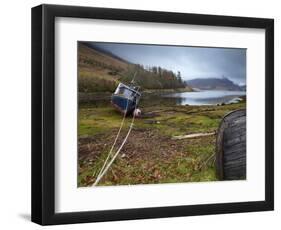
{"type": "Point", "coordinates": [96, 96]}
{"type": "Point", "coordinates": [152, 96]}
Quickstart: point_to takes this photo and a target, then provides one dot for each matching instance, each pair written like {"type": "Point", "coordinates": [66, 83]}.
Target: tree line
{"type": "Point", "coordinates": [153, 77]}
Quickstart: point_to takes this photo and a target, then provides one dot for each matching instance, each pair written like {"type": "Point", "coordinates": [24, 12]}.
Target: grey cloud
{"type": "Point", "coordinates": [192, 62]}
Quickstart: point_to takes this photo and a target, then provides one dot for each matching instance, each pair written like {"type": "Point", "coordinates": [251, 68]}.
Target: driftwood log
{"type": "Point", "coordinates": [193, 135]}
{"type": "Point", "coordinates": [231, 147]}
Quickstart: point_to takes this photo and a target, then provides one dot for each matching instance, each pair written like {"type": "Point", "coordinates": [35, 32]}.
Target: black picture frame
{"type": "Point", "coordinates": [43, 114]}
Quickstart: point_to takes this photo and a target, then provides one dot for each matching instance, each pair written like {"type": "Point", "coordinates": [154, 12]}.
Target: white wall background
{"type": "Point", "coordinates": [15, 113]}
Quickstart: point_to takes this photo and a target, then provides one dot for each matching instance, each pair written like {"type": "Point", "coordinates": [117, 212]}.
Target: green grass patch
{"type": "Point", "coordinates": [166, 161]}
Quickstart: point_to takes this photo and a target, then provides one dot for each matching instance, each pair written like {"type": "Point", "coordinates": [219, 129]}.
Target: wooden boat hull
{"type": "Point", "coordinates": [231, 146]}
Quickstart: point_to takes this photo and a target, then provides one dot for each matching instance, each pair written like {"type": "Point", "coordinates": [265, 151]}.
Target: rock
{"type": "Point", "coordinates": [151, 122]}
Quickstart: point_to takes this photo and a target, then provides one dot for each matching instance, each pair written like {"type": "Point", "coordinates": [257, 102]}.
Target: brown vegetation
{"type": "Point", "coordinates": [100, 72]}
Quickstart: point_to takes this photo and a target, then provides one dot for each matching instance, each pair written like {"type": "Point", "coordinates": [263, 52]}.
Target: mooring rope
{"type": "Point", "coordinates": [105, 168]}
{"type": "Point", "coordinates": [116, 154]}
{"type": "Point", "coordinates": [116, 138]}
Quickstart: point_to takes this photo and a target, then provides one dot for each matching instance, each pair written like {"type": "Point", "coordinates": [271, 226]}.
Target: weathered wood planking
{"type": "Point", "coordinates": [231, 146]}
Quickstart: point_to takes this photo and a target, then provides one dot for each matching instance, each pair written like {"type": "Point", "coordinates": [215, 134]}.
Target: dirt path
{"type": "Point", "coordinates": [139, 144]}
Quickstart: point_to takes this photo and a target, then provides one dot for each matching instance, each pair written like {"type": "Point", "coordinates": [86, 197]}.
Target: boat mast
{"type": "Point", "coordinates": [133, 80]}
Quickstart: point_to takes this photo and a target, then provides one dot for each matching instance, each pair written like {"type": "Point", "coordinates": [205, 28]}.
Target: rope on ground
{"type": "Point", "coordinates": [116, 154]}
{"type": "Point", "coordinates": [105, 169]}
{"type": "Point", "coordinates": [116, 138]}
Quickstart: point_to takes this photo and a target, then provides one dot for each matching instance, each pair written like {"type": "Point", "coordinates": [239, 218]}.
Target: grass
{"type": "Point", "coordinates": [150, 155]}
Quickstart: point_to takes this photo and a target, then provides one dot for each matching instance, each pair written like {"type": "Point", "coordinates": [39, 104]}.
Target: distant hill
{"type": "Point", "coordinates": [243, 87]}
{"type": "Point", "coordinates": [101, 71]}
{"type": "Point", "coordinates": [214, 84]}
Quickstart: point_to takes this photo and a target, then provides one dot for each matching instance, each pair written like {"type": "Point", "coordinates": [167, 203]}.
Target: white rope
{"type": "Point", "coordinates": [116, 154]}
{"type": "Point", "coordinates": [116, 138]}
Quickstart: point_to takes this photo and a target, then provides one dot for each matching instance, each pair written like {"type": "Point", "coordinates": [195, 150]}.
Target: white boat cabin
{"type": "Point", "coordinates": [127, 92]}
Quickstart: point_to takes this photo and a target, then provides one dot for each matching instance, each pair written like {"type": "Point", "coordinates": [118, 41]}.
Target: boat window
{"type": "Point", "coordinates": [120, 90]}
{"type": "Point", "coordinates": [127, 93]}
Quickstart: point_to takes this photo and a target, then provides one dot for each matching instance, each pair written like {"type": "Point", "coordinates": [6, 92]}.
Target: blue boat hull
{"type": "Point", "coordinates": [120, 103]}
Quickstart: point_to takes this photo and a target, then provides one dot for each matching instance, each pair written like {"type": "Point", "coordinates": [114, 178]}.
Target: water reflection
{"type": "Point", "coordinates": [211, 97]}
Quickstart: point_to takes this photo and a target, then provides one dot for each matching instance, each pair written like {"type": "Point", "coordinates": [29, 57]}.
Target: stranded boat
{"type": "Point", "coordinates": [126, 98]}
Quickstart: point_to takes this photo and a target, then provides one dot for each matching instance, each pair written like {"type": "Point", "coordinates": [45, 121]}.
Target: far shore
{"type": "Point", "coordinates": [85, 97]}
{"type": "Point", "coordinates": [90, 96]}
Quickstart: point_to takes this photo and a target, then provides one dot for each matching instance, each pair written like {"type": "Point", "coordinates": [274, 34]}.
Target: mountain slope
{"type": "Point", "coordinates": [214, 84]}
{"type": "Point", "coordinates": [101, 71]}
{"type": "Point", "coordinates": [243, 87]}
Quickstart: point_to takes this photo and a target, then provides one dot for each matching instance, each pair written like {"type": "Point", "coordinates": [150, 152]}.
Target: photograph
{"type": "Point", "coordinates": [148, 113]}
{"type": "Point", "coordinates": [155, 114]}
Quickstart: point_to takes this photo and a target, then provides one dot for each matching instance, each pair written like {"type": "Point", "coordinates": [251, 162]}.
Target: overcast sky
{"type": "Point", "coordinates": [192, 62]}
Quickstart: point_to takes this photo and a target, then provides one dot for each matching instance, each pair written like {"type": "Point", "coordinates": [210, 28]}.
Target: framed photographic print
{"type": "Point", "coordinates": [142, 114]}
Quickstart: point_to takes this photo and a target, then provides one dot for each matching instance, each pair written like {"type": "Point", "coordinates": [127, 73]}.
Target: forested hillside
{"type": "Point", "coordinates": [101, 72]}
